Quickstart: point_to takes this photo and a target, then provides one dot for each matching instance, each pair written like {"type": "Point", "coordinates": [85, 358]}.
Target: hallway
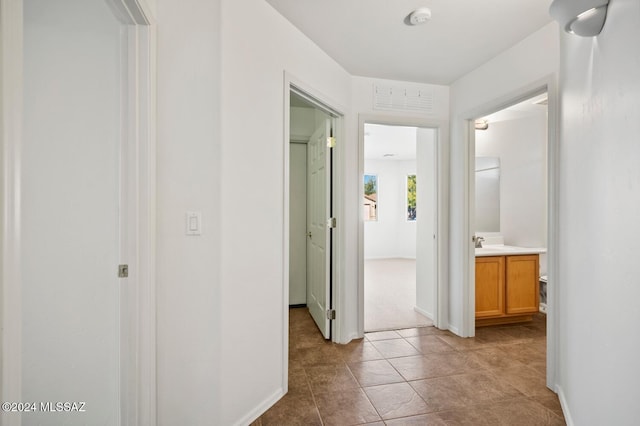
{"type": "Point", "coordinates": [417, 376]}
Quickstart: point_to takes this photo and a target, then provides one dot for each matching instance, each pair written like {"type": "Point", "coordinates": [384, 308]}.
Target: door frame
{"type": "Point", "coordinates": [441, 289]}
{"type": "Point", "coordinates": [547, 84]}
{"type": "Point", "coordinates": [11, 42]}
{"type": "Point", "coordinates": [291, 83]}
{"type": "Point", "coordinates": [138, 344]}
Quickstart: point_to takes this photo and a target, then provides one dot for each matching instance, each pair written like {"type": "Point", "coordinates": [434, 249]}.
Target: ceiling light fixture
{"type": "Point", "coordinates": [419, 16]}
{"type": "Point", "coordinates": [482, 124]}
{"type": "Point", "coordinates": [580, 17]}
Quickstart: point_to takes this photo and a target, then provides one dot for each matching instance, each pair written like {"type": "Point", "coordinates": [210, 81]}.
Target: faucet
{"type": "Point", "coordinates": [479, 241]}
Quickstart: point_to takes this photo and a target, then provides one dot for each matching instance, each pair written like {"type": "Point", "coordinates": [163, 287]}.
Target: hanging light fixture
{"type": "Point", "coordinates": [580, 17]}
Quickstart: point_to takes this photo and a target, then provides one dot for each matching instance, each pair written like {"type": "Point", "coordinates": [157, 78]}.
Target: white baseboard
{"type": "Point", "coordinates": [260, 409]}
{"type": "Point", "coordinates": [454, 330]}
{"type": "Point", "coordinates": [565, 406]}
{"type": "Point", "coordinates": [423, 312]}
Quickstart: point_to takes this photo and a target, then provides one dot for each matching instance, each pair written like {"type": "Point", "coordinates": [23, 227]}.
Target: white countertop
{"type": "Point", "coordinates": [502, 250]}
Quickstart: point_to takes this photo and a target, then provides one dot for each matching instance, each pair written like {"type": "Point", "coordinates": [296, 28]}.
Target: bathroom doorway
{"type": "Point", "coordinates": [510, 187]}
{"type": "Point", "coordinates": [511, 200]}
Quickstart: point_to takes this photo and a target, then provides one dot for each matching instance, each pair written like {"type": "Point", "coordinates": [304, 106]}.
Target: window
{"type": "Point", "coordinates": [370, 197]}
{"type": "Point", "coordinates": [411, 197]}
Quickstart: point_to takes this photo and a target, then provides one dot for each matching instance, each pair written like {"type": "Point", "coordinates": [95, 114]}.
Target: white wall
{"type": "Point", "coordinates": [599, 210]}
{"type": "Point", "coordinates": [521, 145]}
{"type": "Point", "coordinates": [189, 286]}
{"type": "Point", "coordinates": [302, 123]}
{"type": "Point", "coordinates": [257, 48]}
{"type": "Point", "coordinates": [392, 235]}
{"type": "Point", "coordinates": [70, 198]}
{"type": "Point", "coordinates": [499, 80]}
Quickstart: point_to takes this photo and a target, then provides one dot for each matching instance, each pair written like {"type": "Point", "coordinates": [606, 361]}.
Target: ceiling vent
{"type": "Point", "coordinates": [402, 99]}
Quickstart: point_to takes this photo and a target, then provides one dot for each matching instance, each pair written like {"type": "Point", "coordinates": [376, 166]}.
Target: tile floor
{"type": "Point", "coordinates": [390, 295]}
{"type": "Point", "coordinates": [417, 376]}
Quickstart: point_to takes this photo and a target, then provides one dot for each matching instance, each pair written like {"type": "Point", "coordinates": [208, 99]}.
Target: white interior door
{"type": "Point", "coordinates": [318, 233]}
{"type": "Point", "coordinates": [71, 203]}
{"type": "Point", "coordinates": [426, 224]}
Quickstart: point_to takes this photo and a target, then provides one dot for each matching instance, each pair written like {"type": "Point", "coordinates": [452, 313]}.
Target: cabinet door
{"type": "Point", "coordinates": [489, 286]}
{"type": "Point", "coordinates": [522, 284]}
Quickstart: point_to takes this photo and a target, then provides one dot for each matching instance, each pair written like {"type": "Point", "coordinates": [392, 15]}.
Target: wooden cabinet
{"type": "Point", "coordinates": [506, 289]}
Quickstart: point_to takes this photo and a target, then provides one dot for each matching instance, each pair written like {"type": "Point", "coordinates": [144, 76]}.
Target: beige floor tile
{"type": "Point", "coordinates": [496, 378]}
{"type": "Point", "coordinates": [348, 407]}
{"type": "Point", "coordinates": [382, 335]}
{"type": "Point", "coordinates": [434, 365]}
{"type": "Point", "coordinates": [395, 348]}
{"type": "Point", "coordinates": [422, 420]}
{"type": "Point", "coordinates": [359, 350]}
{"type": "Point", "coordinates": [396, 400]}
{"type": "Point", "coordinates": [429, 344]}
{"type": "Point", "coordinates": [326, 378]}
{"type": "Point", "coordinates": [292, 410]}
{"type": "Point", "coordinates": [371, 373]}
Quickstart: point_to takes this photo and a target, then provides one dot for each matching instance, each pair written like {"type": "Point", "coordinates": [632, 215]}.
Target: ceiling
{"type": "Point", "coordinates": [369, 37]}
{"type": "Point", "coordinates": [382, 142]}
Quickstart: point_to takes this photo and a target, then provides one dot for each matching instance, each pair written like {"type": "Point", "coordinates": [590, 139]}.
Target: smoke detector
{"type": "Point", "coordinates": [419, 16]}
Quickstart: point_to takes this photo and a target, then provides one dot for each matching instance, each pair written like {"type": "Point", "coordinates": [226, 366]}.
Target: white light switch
{"type": "Point", "coordinates": [194, 223]}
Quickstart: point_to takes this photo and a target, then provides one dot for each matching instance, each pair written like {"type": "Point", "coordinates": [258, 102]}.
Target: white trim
{"type": "Point", "coordinates": [261, 408]}
{"type": "Point", "coordinates": [138, 301]}
{"type": "Point", "coordinates": [565, 406]}
{"type": "Point", "coordinates": [549, 85]}
{"type": "Point", "coordinates": [441, 289]}
{"type": "Point", "coordinates": [11, 24]}
{"type": "Point", "coordinates": [423, 312]}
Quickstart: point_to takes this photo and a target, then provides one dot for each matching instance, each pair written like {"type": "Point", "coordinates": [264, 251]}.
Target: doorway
{"type": "Point", "coordinates": [524, 143]}
{"type": "Point", "coordinates": [430, 293]}
{"type": "Point", "coordinates": [312, 211]}
{"type": "Point", "coordinates": [399, 211]}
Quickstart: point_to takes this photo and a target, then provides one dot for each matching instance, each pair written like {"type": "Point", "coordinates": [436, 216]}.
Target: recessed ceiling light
{"type": "Point", "coordinates": [389, 155]}
{"type": "Point", "coordinates": [419, 16]}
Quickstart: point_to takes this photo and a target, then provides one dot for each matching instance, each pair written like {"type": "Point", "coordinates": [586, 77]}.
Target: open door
{"type": "Point", "coordinates": [319, 227]}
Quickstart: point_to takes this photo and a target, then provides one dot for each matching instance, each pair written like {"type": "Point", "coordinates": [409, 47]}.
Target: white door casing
{"type": "Point", "coordinates": [318, 233]}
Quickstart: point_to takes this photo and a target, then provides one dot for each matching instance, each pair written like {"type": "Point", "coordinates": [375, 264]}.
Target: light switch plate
{"type": "Point", "coordinates": [193, 223]}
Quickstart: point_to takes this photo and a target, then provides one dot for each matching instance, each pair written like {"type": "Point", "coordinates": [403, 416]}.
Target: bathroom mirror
{"type": "Point", "coordinates": [487, 194]}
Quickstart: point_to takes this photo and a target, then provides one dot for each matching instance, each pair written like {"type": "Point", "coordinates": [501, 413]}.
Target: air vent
{"type": "Point", "coordinates": [402, 98]}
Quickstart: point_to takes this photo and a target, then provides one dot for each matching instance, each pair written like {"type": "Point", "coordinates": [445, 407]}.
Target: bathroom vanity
{"type": "Point", "coordinates": [507, 284]}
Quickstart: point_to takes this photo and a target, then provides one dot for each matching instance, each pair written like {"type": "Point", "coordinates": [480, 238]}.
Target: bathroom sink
{"type": "Point", "coordinates": [502, 250]}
